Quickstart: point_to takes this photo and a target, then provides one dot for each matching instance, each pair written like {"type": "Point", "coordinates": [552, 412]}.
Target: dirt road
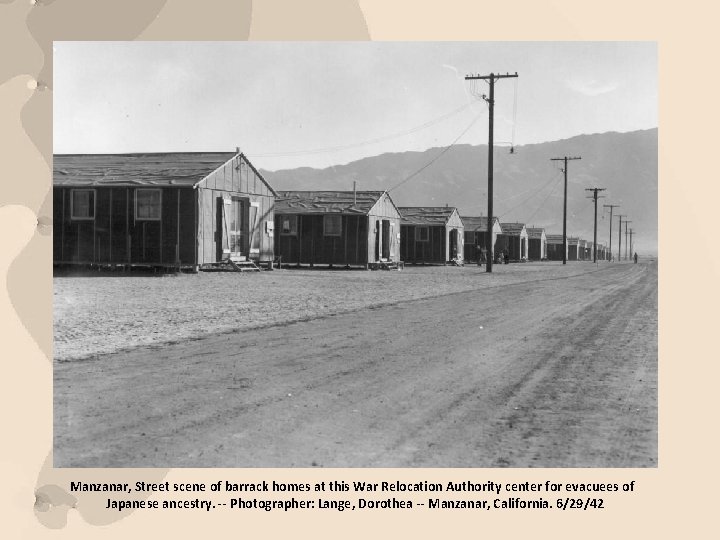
{"type": "Point", "coordinates": [557, 372]}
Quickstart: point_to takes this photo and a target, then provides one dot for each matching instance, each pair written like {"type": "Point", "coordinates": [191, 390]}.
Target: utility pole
{"type": "Point", "coordinates": [626, 239]}
{"type": "Point", "coordinates": [620, 236]}
{"type": "Point", "coordinates": [564, 170]}
{"type": "Point", "coordinates": [491, 111]}
{"type": "Point", "coordinates": [595, 198]}
{"type": "Point", "coordinates": [631, 243]}
{"type": "Point", "coordinates": [611, 206]}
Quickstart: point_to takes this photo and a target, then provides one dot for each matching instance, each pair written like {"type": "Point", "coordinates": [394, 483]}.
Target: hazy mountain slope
{"type": "Point", "coordinates": [528, 186]}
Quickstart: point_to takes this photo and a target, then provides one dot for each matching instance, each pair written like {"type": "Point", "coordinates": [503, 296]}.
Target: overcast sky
{"type": "Point", "coordinates": [291, 104]}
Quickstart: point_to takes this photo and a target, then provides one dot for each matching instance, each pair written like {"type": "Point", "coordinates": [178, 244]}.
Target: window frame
{"type": "Point", "coordinates": [418, 236]}
{"type": "Point", "coordinates": [293, 229]}
{"type": "Point", "coordinates": [73, 217]}
{"type": "Point", "coordinates": [325, 225]}
{"type": "Point", "coordinates": [159, 217]}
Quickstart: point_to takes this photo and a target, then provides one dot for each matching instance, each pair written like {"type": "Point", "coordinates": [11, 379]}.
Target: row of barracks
{"type": "Point", "coordinates": [193, 210]}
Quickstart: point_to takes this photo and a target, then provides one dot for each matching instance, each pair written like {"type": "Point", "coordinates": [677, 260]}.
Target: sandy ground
{"type": "Point", "coordinates": [111, 312]}
{"type": "Point", "coordinates": [544, 365]}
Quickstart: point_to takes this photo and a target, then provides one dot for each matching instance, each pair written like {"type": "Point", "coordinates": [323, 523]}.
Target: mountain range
{"type": "Point", "coordinates": [528, 186]}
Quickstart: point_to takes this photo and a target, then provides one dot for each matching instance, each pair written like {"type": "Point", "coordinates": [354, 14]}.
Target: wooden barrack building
{"type": "Point", "coordinates": [337, 228]}
{"type": "Point", "coordinates": [514, 239]}
{"type": "Point", "coordinates": [573, 246]}
{"type": "Point", "coordinates": [476, 231]}
{"type": "Point", "coordinates": [554, 247]}
{"type": "Point", "coordinates": [537, 244]}
{"type": "Point", "coordinates": [183, 210]}
{"type": "Point", "coordinates": [431, 235]}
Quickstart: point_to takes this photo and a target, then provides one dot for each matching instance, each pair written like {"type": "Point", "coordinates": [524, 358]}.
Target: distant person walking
{"type": "Point", "coordinates": [635, 257]}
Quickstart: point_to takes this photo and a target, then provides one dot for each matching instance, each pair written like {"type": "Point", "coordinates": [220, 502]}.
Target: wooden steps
{"type": "Point", "coordinates": [386, 265]}
{"type": "Point", "coordinates": [230, 265]}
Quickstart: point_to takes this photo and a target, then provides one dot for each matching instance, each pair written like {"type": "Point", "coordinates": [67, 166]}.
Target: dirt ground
{"type": "Point", "coordinates": [109, 312]}
{"type": "Point", "coordinates": [534, 365]}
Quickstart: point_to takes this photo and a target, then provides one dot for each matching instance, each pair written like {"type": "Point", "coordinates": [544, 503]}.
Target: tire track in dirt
{"type": "Point", "coordinates": [564, 411]}
{"type": "Point", "coordinates": [414, 383]}
{"type": "Point", "coordinates": [503, 383]}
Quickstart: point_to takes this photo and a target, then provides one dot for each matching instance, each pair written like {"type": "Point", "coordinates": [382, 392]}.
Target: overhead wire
{"type": "Point", "coordinates": [519, 194]}
{"type": "Point", "coordinates": [442, 153]}
{"type": "Point", "coordinates": [543, 202]}
{"type": "Point", "coordinates": [581, 210]}
{"type": "Point", "coordinates": [512, 138]}
{"type": "Point", "coordinates": [375, 140]}
{"type": "Point", "coordinates": [533, 194]}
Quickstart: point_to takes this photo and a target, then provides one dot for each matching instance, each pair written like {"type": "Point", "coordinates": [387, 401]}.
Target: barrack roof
{"type": "Point", "coordinates": [149, 169]}
{"type": "Point", "coordinates": [512, 229]}
{"type": "Point", "coordinates": [478, 223]}
{"type": "Point", "coordinates": [535, 232]}
{"type": "Point", "coordinates": [326, 202]}
{"type": "Point", "coordinates": [425, 215]}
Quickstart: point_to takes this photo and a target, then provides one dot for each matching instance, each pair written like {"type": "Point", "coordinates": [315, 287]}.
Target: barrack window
{"type": "Point", "coordinates": [82, 204]}
{"type": "Point", "coordinates": [332, 225]}
{"type": "Point", "coordinates": [147, 204]}
{"type": "Point", "coordinates": [288, 225]}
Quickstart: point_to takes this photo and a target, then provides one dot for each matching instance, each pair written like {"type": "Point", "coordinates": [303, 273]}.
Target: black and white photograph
{"type": "Point", "coordinates": [355, 254]}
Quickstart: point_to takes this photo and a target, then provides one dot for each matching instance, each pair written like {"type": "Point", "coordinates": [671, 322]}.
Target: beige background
{"type": "Point", "coordinates": [677, 498]}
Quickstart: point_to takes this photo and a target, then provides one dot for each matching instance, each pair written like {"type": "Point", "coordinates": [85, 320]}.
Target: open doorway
{"type": "Point", "coordinates": [232, 228]}
{"type": "Point", "coordinates": [385, 252]}
{"type": "Point", "coordinates": [453, 244]}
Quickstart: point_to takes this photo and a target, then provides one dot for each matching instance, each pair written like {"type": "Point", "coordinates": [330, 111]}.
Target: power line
{"type": "Point", "coordinates": [620, 222]}
{"type": "Point", "coordinates": [611, 206]}
{"type": "Point", "coordinates": [533, 194]}
{"type": "Point", "coordinates": [444, 150]}
{"type": "Point", "coordinates": [595, 191]}
{"type": "Point", "coordinates": [490, 100]}
{"type": "Point", "coordinates": [579, 212]}
{"type": "Point", "coordinates": [512, 138]}
{"type": "Point", "coordinates": [366, 142]}
{"type": "Point", "coordinates": [626, 238]}
{"type": "Point", "coordinates": [530, 190]}
{"type": "Point", "coordinates": [564, 170]}
{"type": "Point", "coordinates": [542, 203]}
